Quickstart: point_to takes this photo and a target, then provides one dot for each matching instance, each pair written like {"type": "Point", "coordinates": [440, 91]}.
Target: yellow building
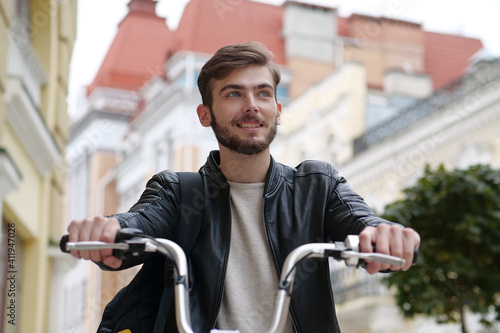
{"type": "Point", "coordinates": [36, 43]}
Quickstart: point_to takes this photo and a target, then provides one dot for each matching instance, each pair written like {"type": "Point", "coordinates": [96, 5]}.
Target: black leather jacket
{"type": "Point", "coordinates": [310, 203]}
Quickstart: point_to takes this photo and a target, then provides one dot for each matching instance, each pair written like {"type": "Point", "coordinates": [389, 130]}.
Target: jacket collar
{"type": "Point", "coordinates": [217, 177]}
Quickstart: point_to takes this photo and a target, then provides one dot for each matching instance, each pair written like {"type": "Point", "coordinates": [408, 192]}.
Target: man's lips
{"type": "Point", "coordinates": [249, 125]}
{"type": "Point", "coordinates": [249, 122]}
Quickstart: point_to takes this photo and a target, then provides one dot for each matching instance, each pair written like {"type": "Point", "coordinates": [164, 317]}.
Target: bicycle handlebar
{"type": "Point", "coordinates": [125, 246]}
{"type": "Point", "coordinates": [132, 242]}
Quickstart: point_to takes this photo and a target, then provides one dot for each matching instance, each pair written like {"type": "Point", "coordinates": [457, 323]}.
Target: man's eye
{"type": "Point", "coordinates": [233, 94]}
{"type": "Point", "coordinates": [264, 94]}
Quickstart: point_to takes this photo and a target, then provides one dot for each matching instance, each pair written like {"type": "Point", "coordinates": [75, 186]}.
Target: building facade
{"type": "Point", "coordinates": [380, 140]}
{"type": "Point", "coordinates": [111, 101]}
{"type": "Point", "coordinates": [36, 43]}
{"type": "Point", "coordinates": [457, 126]}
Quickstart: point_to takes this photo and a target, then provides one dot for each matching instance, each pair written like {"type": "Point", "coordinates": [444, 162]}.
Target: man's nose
{"type": "Point", "coordinates": [250, 104]}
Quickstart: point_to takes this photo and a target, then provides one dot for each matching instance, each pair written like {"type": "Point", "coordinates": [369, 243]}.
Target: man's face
{"type": "Point", "coordinates": [244, 114]}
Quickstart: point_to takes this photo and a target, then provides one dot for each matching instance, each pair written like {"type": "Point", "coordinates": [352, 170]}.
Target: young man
{"type": "Point", "coordinates": [262, 210]}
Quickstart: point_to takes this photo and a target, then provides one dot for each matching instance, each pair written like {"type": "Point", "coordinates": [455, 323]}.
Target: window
{"type": "Point", "coordinates": [164, 153]}
{"type": "Point", "coordinates": [79, 186]}
{"type": "Point", "coordinates": [21, 23]}
{"type": "Point", "coordinates": [331, 149]}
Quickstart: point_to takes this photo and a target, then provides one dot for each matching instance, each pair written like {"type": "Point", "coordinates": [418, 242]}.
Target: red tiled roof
{"type": "Point", "coordinates": [447, 56]}
{"type": "Point", "coordinates": [380, 19]}
{"type": "Point", "coordinates": [143, 40]}
{"type": "Point", "coordinates": [138, 51]}
{"type": "Point", "coordinates": [206, 26]}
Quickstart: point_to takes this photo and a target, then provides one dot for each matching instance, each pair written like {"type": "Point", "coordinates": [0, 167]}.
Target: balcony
{"type": "Point", "coordinates": [25, 79]}
{"type": "Point", "coordinates": [23, 63]}
{"type": "Point", "coordinates": [10, 176]}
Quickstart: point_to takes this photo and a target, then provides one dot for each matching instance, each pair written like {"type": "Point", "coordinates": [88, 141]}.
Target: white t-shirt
{"type": "Point", "coordinates": [251, 283]}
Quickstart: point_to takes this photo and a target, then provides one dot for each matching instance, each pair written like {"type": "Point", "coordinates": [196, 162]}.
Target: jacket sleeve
{"type": "Point", "coordinates": [347, 212]}
{"type": "Point", "coordinates": [156, 213]}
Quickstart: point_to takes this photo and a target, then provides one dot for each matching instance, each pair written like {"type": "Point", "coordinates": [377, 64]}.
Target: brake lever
{"type": "Point", "coordinates": [136, 245]}
{"type": "Point", "coordinates": [379, 257]}
{"type": "Point", "coordinates": [349, 252]}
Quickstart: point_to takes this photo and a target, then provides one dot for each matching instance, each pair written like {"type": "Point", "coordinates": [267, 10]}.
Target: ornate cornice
{"type": "Point", "coordinates": [29, 127]}
{"type": "Point", "coordinates": [408, 151]}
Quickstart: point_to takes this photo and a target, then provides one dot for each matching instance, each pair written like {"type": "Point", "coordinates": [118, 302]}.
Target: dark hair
{"type": "Point", "coordinates": [231, 57]}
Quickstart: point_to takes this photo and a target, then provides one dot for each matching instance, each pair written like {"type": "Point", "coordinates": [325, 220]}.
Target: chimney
{"type": "Point", "coordinates": [142, 6]}
{"type": "Point", "coordinates": [406, 83]}
{"type": "Point", "coordinates": [310, 32]}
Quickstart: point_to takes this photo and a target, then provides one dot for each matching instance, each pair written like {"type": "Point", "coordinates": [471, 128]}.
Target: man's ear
{"type": "Point", "coordinates": [278, 114]}
{"type": "Point", "coordinates": [204, 115]}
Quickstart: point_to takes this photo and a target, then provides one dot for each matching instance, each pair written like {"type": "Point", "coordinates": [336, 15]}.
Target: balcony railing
{"type": "Point", "coordinates": [23, 63]}
{"type": "Point", "coordinates": [475, 82]}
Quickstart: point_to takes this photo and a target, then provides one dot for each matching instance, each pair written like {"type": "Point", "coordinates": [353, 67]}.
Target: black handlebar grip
{"type": "Point", "coordinates": [415, 256]}
{"type": "Point", "coordinates": [65, 238]}
{"type": "Point", "coordinates": [62, 243]}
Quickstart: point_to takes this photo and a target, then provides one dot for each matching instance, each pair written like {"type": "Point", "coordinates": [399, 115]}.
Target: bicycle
{"type": "Point", "coordinates": [132, 242]}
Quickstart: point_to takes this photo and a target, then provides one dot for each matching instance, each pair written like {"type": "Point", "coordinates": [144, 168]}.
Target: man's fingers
{"type": "Point", "coordinates": [91, 231]}
{"type": "Point", "coordinates": [84, 234]}
{"type": "Point", "coordinates": [382, 245]}
{"type": "Point", "coordinates": [95, 229]}
{"type": "Point", "coordinates": [108, 235]}
{"type": "Point", "coordinates": [74, 234]}
{"type": "Point", "coordinates": [411, 241]}
{"type": "Point", "coordinates": [111, 228]}
{"type": "Point", "coordinates": [392, 240]}
{"type": "Point", "coordinates": [396, 247]}
{"type": "Point", "coordinates": [366, 239]}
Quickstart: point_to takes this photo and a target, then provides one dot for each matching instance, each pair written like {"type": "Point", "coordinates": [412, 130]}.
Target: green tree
{"type": "Point", "coordinates": [457, 214]}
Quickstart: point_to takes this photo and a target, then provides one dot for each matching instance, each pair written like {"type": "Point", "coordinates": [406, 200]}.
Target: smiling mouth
{"type": "Point", "coordinates": [249, 125]}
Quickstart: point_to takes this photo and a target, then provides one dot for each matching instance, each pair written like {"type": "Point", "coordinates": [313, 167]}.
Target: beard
{"type": "Point", "coordinates": [238, 145]}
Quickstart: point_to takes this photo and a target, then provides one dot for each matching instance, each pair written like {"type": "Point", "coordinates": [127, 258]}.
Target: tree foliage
{"type": "Point", "coordinates": [457, 214]}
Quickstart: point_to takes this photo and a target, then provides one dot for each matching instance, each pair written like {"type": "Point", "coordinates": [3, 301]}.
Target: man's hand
{"type": "Point", "coordinates": [389, 239]}
{"type": "Point", "coordinates": [98, 228]}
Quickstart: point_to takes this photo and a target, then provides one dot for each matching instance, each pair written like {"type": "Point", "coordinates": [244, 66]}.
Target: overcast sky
{"type": "Point", "coordinates": [98, 20]}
